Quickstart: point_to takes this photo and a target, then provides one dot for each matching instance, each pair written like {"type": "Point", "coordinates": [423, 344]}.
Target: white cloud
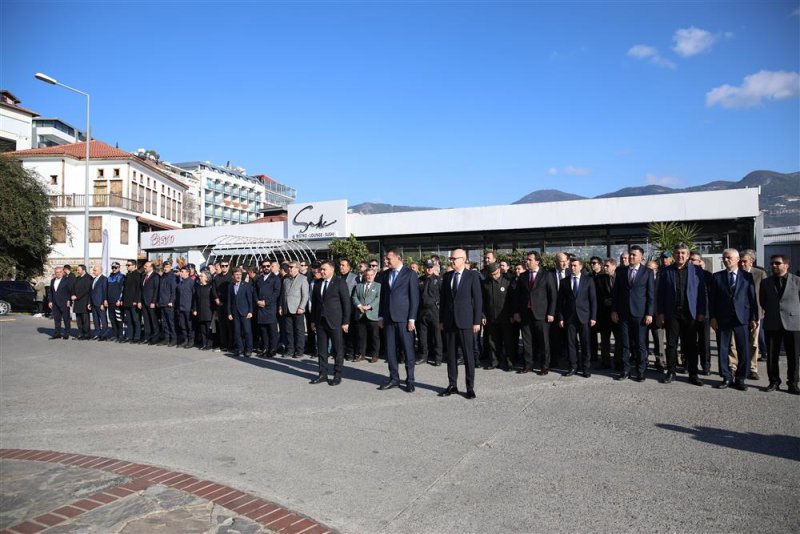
{"type": "Point", "coordinates": [650, 53]}
{"type": "Point", "coordinates": [577, 171]}
{"type": "Point", "coordinates": [692, 41]}
{"type": "Point", "coordinates": [665, 181]}
{"type": "Point", "coordinates": [552, 171]}
{"type": "Point", "coordinates": [755, 88]}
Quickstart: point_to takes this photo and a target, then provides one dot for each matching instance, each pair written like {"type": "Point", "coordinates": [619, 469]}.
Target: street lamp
{"type": "Point", "coordinates": [52, 81]}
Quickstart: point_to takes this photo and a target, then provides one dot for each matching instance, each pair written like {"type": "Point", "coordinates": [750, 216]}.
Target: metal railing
{"type": "Point", "coordinates": [105, 201]}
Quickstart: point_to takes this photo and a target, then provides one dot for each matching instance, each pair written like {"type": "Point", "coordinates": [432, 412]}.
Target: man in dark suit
{"type": "Point", "coordinates": [221, 283]}
{"type": "Point", "coordinates": [268, 293]}
{"type": "Point", "coordinates": [397, 317]}
{"type": "Point", "coordinates": [632, 308]}
{"type": "Point", "coordinates": [99, 300]}
{"type": "Point", "coordinates": [681, 309]}
{"type": "Point", "coordinates": [460, 318]}
{"type": "Point", "coordinates": [704, 328]}
{"type": "Point", "coordinates": [733, 312]}
{"type": "Point", "coordinates": [149, 304]}
{"type": "Point", "coordinates": [184, 305]}
{"type": "Point", "coordinates": [577, 314]}
{"type": "Point", "coordinates": [428, 333]}
{"type": "Point", "coordinates": [330, 318]}
{"type": "Point", "coordinates": [167, 298]}
{"type": "Point", "coordinates": [59, 299]}
{"type": "Point", "coordinates": [558, 338]}
{"type": "Point", "coordinates": [131, 300]}
{"type": "Point", "coordinates": [240, 312]}
{"type": "Point", "coordinates": [537, 298]}
{"type": "Point", "coordinates": [498, 309]}
{"type": "Point", "coordinates": [604, 286]}
{"type": "Point", "coordinates": [81, 300]}
{"type": "Point", "coordinates": [780, 299]}
{"type": "Point", "coordinates": [747, 262]}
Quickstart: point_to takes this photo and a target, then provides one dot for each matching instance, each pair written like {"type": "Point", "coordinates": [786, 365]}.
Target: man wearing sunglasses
{"type": "Point", "coordinates": [131, 299]}
{"type": "Point", "coordinates": [780, 299]}
{"type": "Point", "coordinates": [115, 313]}
{"type": "Point", "coordinates": [221, 283]}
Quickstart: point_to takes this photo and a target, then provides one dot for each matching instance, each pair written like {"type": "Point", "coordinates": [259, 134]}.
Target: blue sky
{"type": "Point", "coordinates": [444, 104]}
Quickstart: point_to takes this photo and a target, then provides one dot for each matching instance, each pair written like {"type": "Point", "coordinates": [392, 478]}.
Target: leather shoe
{"type": "Point", "coordinates": [55, 336]}
{"type": "Point", "coordinates": [319, 380]}
{"type": "Point", "coordinates": [773, 386]}
{"type": "Point", "coordinates": [753, 375]}
{"type": "Point", "coordinates": [449, 391]}
{"type": "Point", "coordinates": [741, 386]}
{"type": "Point", "coordinates": [436, 364]}
{"type": "Point", "coordinates": [410, 388]}
{"type": "Point", "coordinates": [668, 378]}
{"type": "Point", "coordinates": [623, 376]}
{"type": "Point", "coordinates": [793, 390]}
{"type": "Point", "coordinates": [524, 370]}
{"type": "Point", "coordinates": [587, 374]}
{"type": "Point", "coordinates": [336, 381]}
{"type": "Point", "coordinates": [470, 395]}
{"type": "Point", "coordinates": [705, 372]}
{"type": "Point", "coordinates": [696, 381]}
{"type": "Point", "coordinates": [389, 385]}
{"type": "Point", "coordinates": [640, 378]}
{"type": "Point", "coordinates": [571, 372]}
{"type": "Point", "coordinates": [724, 384]}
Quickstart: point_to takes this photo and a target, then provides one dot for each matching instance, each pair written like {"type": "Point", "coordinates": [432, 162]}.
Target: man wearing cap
{"type": "Point", "coordinates": [430, 338]}
{"type": "Point", "coordinates": [498, 307]}
{"type": "Point", "coordinates": [114, 295]}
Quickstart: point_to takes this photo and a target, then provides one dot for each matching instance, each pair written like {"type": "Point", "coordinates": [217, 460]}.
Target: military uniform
{"type": "Point", "coordinates": [430, 337]}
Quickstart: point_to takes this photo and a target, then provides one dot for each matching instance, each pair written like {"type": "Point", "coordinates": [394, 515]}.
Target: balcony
{"type": "Point", "coordinates": [95, 201]}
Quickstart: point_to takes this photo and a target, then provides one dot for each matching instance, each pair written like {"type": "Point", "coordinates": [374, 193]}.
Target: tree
{"type": "Point", "coordinates": [25, 238]}
{"type": "Point", "coordinates": [350, 248]}
{"type": "Point", "coordinates": [668, 234]}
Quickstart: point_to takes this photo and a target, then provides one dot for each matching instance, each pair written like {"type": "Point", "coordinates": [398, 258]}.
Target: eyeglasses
{"type": "Point", "coordinates": [115, 267]}
{"type": "Point", "coordinates": [130, 264]}
{"type": "Point", "coordinates": [303, 265]}
{"type": "Point", "coordinates": [595, 262]}
{"type": "Point", "coordinates": [223, 265]}
{"type": "Point", "coordinates": [776, 263]}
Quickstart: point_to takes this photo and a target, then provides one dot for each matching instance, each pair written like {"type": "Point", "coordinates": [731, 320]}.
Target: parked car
{"type": "Point", "coordinates": [17, 295]}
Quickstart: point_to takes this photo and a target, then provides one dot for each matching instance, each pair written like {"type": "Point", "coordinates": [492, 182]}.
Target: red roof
{"type": "Point", "coordinates": [97, 150]}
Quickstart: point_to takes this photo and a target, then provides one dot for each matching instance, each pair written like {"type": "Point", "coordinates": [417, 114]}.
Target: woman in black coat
{"type": "Point", "coordinates": [204, 296]}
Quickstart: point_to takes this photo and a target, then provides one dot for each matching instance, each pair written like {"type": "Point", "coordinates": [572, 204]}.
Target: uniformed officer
{"type": "Point", "coordinates": [497, 315]}
{"type": "Point", "coordinates": [430, 337]}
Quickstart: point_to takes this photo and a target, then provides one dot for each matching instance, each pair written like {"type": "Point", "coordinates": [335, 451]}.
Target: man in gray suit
{"type": "Point", "coordinates": [780, 299]}
{"type": "Point", "coordinates": [293, 308]}
{"type": "Point", "coordinates": [747, 262]}
{"type": "Point", "coordinates": [366, 304]}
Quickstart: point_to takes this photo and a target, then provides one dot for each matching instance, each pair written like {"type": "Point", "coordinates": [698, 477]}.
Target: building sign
{"type": "Point", "coordinates": [317, 220]}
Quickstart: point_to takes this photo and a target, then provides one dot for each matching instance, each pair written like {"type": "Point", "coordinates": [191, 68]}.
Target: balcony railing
{"type": "Point", "coordinates": [97, 201]}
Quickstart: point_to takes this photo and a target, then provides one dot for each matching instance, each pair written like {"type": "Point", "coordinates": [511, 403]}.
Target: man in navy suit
{"type": "Point", "coordinates": [734, 312]}
{"type": "Point", "coordinates": [240, 310]}
{"type": "Point", "coordinates": [460, 318]}
{"type": "Point", "coordinates": [268, 294]}
{"type": "Point", "coordinates": [167, 297]}
{"type": "Point", "coordinates": [537, 298]}
{"type": "Point", "coordinates": [100, 303]}
{"type": "Point", "coordinates": [149, 303]}
{"type": "Point", "coordinates": [59, 299]}
{"type": "Point", "coordinates": [681, 309]}
{"type": "Point", "coordinates": [330, 316]}
{"type": "Point", "coordinates": [632, 307]}
{"type": "Point", "coordinates": [184, 293]}
{"type": "Point", "coordinates": [81, 300]}
{"type": "Point", "coordinates": [577, 314]}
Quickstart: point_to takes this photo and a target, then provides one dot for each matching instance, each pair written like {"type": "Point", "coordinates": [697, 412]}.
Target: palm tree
{"type": "Point", "coordinates": [668, 234]}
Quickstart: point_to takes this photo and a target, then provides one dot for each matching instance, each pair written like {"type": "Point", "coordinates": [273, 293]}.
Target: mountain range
{"type": "Point", "coordinates": [779, 199]}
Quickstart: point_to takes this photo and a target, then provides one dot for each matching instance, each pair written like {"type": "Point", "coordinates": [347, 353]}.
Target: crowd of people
{"type": "Point", "coordinates": [576, 317]}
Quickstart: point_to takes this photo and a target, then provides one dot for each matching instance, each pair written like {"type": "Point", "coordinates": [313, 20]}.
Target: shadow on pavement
{"type": "Point", "coordinates": [776, 445]}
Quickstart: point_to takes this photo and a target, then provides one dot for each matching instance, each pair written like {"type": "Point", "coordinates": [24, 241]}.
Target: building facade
{"type": "Point", "coordinates": [128, 196]}
{"type": "Point", "coordinates": [52, 131]}
{"type": "Point", "coordinates": [15, 124]}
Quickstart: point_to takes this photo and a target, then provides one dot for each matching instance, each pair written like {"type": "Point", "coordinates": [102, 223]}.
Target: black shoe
{"type": "Point", "coordinates": [695, 381]}
{"type": "Point", "coordinates": [389, 385]}
{"type": "Point", "coordinates": [436, 364]}
{"type": "Point", "coordinates": [705, 372]}
{"type": "Point", "coordinates": [189, 345]}
{"type": "Point", "coordinates": [724, 384]}
{"type": "Point", "coordinates": [490, 367]}
{"type": "Point", "coordinates": [639, 378]}
{"type": "Point", "coordinates": [55, 336]}
{"type": "Point", "coordinates": [571, 372]}
{"type": "Point", "coordinates": [793, 390]}
{"type": "Point", "coordinates": [65, 336]}
{"type": "Point", "coordinates": [668, 378]}
{"type": "Point", "coordinates": [321, 379]}
{"type": "Point", "coordinates": [544, 372]}
{"type": "Point", "coordinates": [524, 370]}
{"type": "Point", "coordinates": [753, 375]}
{"type": "Point", "coordinates": [272, 353]}
{"type": "Point", "coordinates": [170, 344]}
{"type": "Point", "coordinates": [297, 355]}
{"type": "Point", "coordinates": [623, 376]}
{"type": "Point", "coordinates": [235, 354]}
{"type": "Point", "coordinates": [469, 395]}
{"type": "Point", "coordinates": [410, 388]}
{"type": "Point", "coordinates": [336, 381]}
{"type": "Point", "coordinates": [449, 391]}
{"type": "Point", "coordinates": [587, 374]}
{"type": "Point", "coordinates": [205, 347]}
{"type": "Point", "coordinates": [246, 354]}
{"type": "Point", "coordinates": [773, 386]}
{"type": "Point", "coordinates": [741, 386]}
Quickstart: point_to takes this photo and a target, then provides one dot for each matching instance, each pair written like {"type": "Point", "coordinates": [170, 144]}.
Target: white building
{"type": "Point", "coordinates": [52, 131]}
{"type": "Point", "coordinates": [15, 123]}
{"type": "Point", "coordinates": [129, 195]}
{"type": "Point", "coordinates": [229, 196]}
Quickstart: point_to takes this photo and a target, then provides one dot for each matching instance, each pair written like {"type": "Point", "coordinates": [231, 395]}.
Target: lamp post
{"type": "Point", "coordinates": [47, 79]}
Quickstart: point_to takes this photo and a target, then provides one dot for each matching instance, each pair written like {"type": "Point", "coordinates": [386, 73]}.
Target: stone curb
{"type": "Point", "coordinates": [268, 514]}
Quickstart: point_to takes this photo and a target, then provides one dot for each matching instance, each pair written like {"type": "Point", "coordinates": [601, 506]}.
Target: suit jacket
{"type": "Point", "coordinates": [82, 290]}
{"type": "Point", "coordinates": [781, 311]}
{"type": "Point", "coordinates": [63, 294]}
{"type": "Point", "coordinates": [604, 286]}
{"type": "Point", "coordinates": [541, 298]}
{"type": "Point", "coordinates": [268, 290]}
{"type": "Point", "coordinates": [351, 280]}
{"type": "Point", "coordinates": [567, 276]}
{"type": "Point", "coordinates": [581, 305]}
{"type": "Point", "coordinates": [695, 291]}
{"type": "Point", "coordinates": [367, 298]}
{"type": "Point", "coordinates": [464, 309]}
{"type": "Point", "coordinates": [150, 289]}
{"type": "Point", "coordinates": [241, 303]}
{"type": "Point", "coordinates": [733, 308]}
{"type": "Point", "coordinates": [203, 302]}
{"type": "Point", "coordinates": [333, 308]}
{"type": "Point", "coordinates": [132, 289]}
{"type": "Point", "coordinates": [167, 290]}
{"type": "Point", "coordinates": [637, 300]}
{"type": "Point", "coordinates": [99, 291]}
{"type": "Point", "coordinates": [295, 294]}
{"type": "Point", "coordinates": [184, 295]}
{"type": "Point", "coordinates": [498, 301]}
{"type": "Point", "coordinates": [400, 302]}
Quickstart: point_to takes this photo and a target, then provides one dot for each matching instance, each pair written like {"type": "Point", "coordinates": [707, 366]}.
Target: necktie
{"type": "Point", "coordinates": [531, 279]}
{"type": "Point", "coordinates": [575, 285]}
{"type": "Point", "coordinates": [731, 280]}
{"type": "Point", "coordinates": [392, 277]}
{"type": "Point", "coordinates": [367, 290]}
{"type": "Point", "coordinates": [456, 279]}
{"type": "Point", "coordinates": [324, 288]}
{"type": "Point", "coordinates": [94, 282]}
{"type": "Point", "coordinates": [632, 276]}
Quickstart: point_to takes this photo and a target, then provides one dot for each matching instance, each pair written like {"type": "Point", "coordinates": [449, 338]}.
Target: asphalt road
{"type": "Point", "coordinates": [530, 454]}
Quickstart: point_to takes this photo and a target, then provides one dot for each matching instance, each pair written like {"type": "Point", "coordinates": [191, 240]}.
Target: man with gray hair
{"type": "Point", "coordinates": [747, 261]}
{"type": "Point", "coordinates": [293, 308]}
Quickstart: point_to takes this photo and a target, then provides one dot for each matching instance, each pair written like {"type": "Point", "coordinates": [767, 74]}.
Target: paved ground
{"type": "Point", "coordinates": [530, 454]}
